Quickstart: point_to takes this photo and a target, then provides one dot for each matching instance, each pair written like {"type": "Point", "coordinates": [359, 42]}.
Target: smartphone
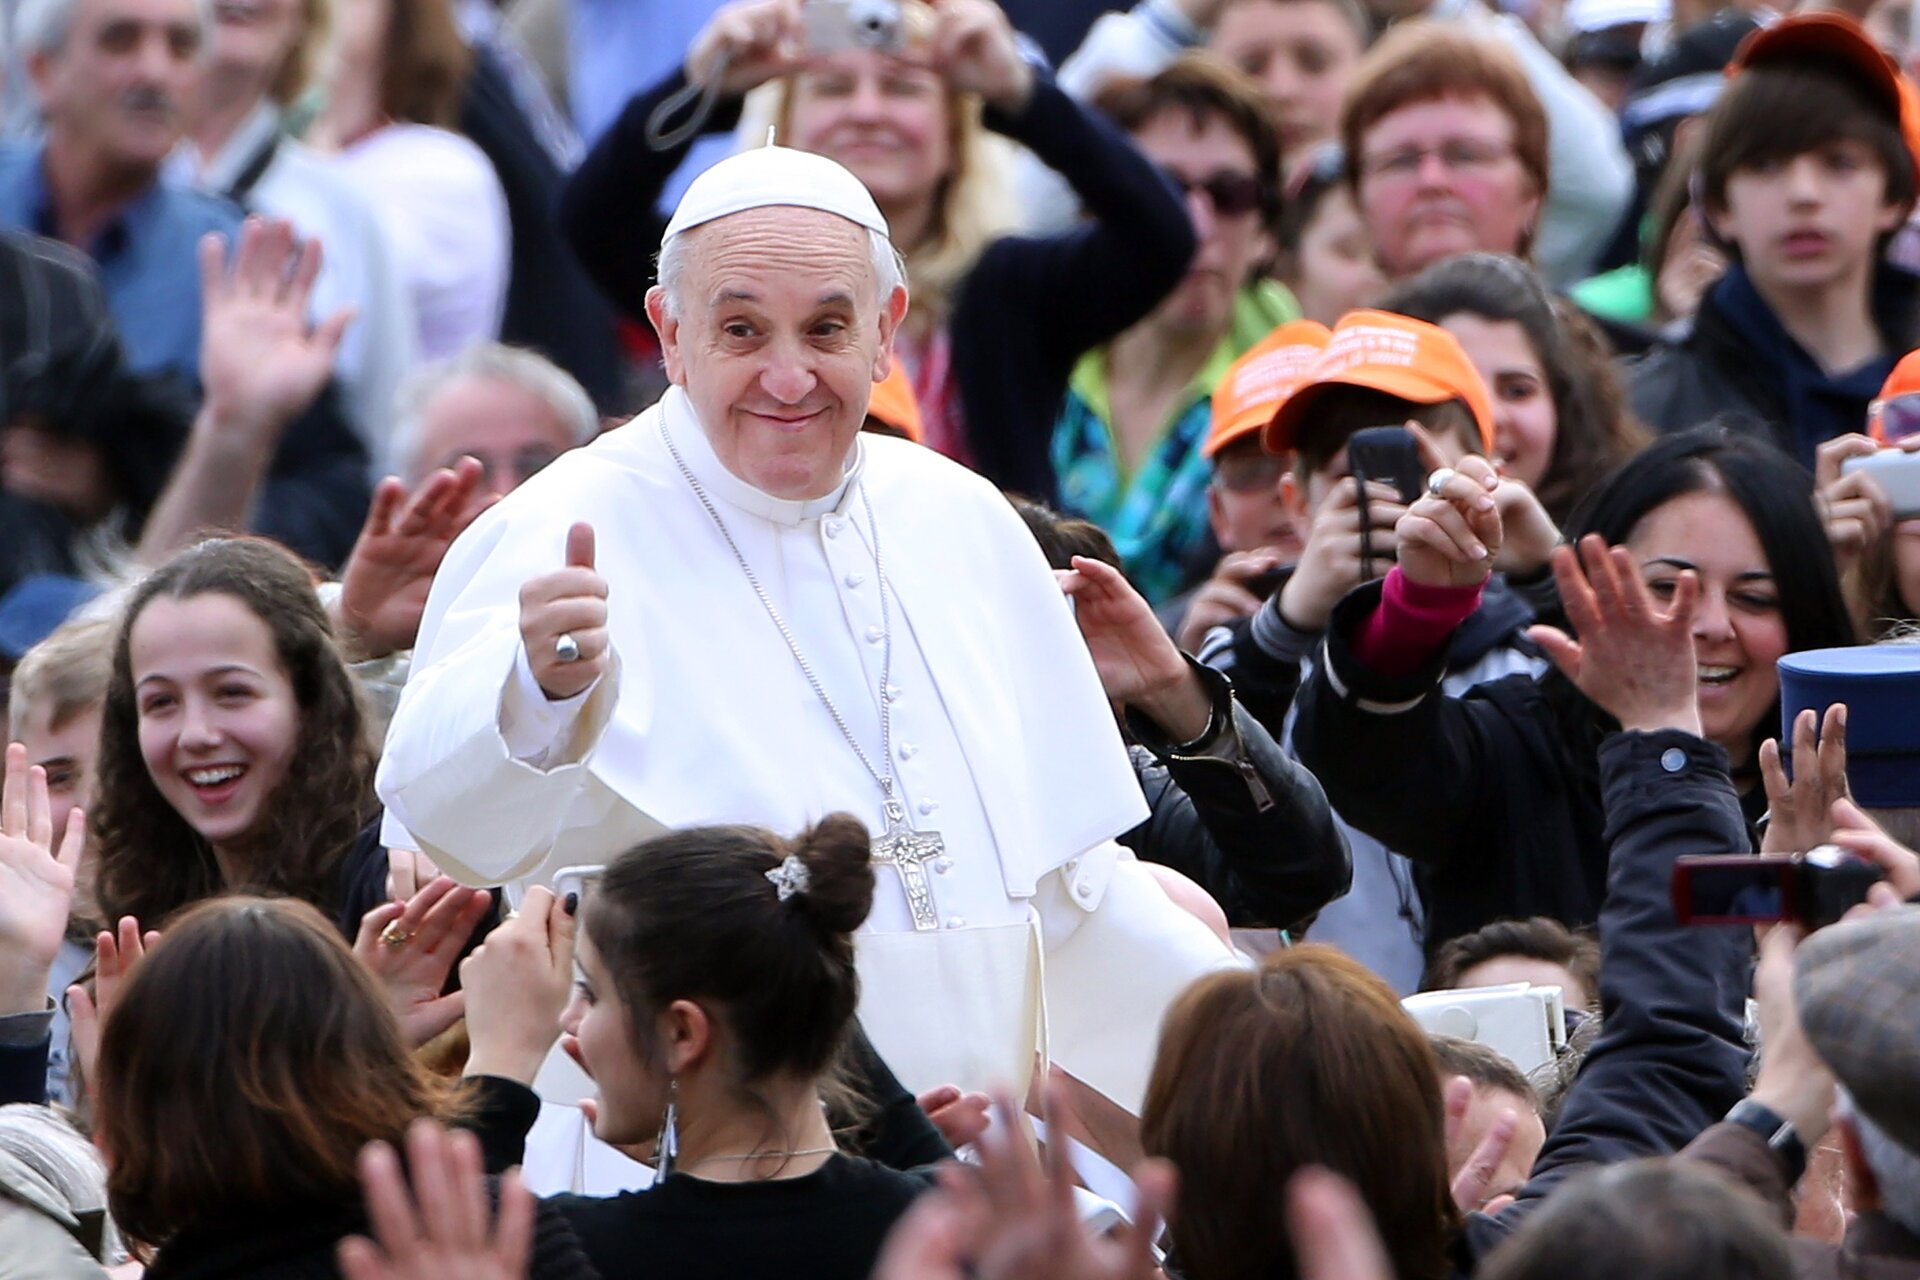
{"type": "Point", "coordinates": [1389, 455]}
{"type": "Point", "coordinates": [1898, 472]}
{"type": "Point", "coordinates": [576, 880]}
{"type": "Point", "coordinates": [1812, 890]}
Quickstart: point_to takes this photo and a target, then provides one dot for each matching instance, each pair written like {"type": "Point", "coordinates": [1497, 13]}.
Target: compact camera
{"type": "Point", "coordinates": [836, 25]}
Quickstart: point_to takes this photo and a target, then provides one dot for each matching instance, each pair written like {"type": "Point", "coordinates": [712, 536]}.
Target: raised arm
{"type": "Point", "coordinates": [1671, 1057]}
{"type": "Point", "coordinates": [1230, 810]}
{"type": "Point", "coordinates": [262, 454]}
{"type": "Point", "coordinates": [487, 750]}
{"type": "Point", "coordinates": [609, 207]}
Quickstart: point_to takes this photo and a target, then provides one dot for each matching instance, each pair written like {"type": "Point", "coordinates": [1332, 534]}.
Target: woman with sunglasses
{"type": "Point", "coordinates": [1127, 446]}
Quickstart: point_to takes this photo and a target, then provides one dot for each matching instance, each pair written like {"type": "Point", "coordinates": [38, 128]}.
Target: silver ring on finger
{"type": "Point", "coordinates": [566, 648]}
{"type": "Point", "coordinates": [1437, 482]}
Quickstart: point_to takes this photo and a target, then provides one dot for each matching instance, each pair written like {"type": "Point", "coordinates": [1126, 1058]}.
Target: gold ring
{"type": "Point", "coordinates": [396, 937]}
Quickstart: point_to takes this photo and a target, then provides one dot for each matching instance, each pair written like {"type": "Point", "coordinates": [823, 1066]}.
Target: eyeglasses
{"type": "Point", "coordinates": [1249, 472]}
{"type": "Point", "coordinates": [1230, 193]}
{"type": "Point", "coordinates": [1456, 155]}
{"type": "Point", "coordinates": [1899, 416]}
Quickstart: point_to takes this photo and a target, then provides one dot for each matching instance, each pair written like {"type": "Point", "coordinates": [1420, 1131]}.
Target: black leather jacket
{"type": "Point", "coordinates": [1235, 814]}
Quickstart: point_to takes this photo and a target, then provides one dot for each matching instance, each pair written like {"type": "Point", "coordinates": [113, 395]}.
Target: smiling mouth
{"type": "Point", "coordinates": [1712, 677]}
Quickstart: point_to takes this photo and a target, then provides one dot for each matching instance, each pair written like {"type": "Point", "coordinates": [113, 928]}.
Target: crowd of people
{"type": "Point", "coordinates": [936, 638]}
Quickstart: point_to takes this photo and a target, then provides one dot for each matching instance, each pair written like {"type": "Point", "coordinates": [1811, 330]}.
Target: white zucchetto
{"type": "Point", "coordinates": [764, 177]}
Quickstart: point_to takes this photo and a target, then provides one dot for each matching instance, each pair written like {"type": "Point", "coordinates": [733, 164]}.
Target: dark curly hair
{"type": "Point", "coordinates": [1595, 431]}
{"type": "Point", "coordinates": [152, 862]}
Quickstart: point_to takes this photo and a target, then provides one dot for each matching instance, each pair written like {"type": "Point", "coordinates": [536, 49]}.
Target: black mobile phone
{"type": "Point", "coordinates": [1389, 455]}
{"type": "Point", "coordinates": [1812, 890]}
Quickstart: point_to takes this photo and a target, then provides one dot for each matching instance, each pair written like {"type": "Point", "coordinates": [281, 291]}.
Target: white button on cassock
{"type": "Point", "coordinates": [830, 527]}
{"type": "Point", "coordinates": [927, 806]}
{"type": "Point", "coordinates": [875, 635]}
{"type": "Point", "coordinates": [956, 922]}
{"type": "Point", "coordinates": [855, 579]}
{"type": "Point", "coordinates": [908, 751]}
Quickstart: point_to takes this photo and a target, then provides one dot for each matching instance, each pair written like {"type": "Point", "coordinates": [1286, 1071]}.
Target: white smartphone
{"type": "Point", "coordinates": [1898, 472]}
{"type": "Point", "coordinates": [576, 880]}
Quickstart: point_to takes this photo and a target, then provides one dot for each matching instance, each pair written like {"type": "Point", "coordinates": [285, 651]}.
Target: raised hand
{"type": "Point", "coordinates": [1800, 813]}
{"type": "Point", "coordinates": [959, 1116]}
{"type": "Point", "coordinates": [1632, 659]}
{"type": "Point", "coordinates": [1853, 506]}
{"type": "Point", "coordinates": [517, 985]}
{"type": "Point", "coordinates": [1340, 551]}
{"type": "Point", "coordinates": [1452, 537]}
{"type": "Point", "coordinates": [261, 360]}
{"type": "Point", "coordinates": [383, 588]}
{"type": "Point", "coordinates": [1792, 1079]}
{"type": "Point", "coordinates": [1011, 1218]}
{"type": "Point", "coordinates": [1334, 1237]}
{"type": "Point", "coordinates": [1226, 596]}
{"type": "Point", "coordinates": [1138, 663]}
{"type": "Point", "coordinates": [1473, 1179]}
{"type": "Point", "coordinates": [571, 602]}
{"type": "Point", "coordinates": [746, 44]}
{"type": "Point", "coordinates": [36, 883]}
{"type": "Point", "coordinates": [116, 955]}
{"type": "Point", "coordinates": [1861, 836]}
{"type": "Point", "coordinates": [411, 948]}
{"type": "Point", "coordinates": [973, 47]}
{"type": "Point", "coordinates": [444, 1229]}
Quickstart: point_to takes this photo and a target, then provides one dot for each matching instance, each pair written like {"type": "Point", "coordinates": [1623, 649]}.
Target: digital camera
{"type": "Point", "coordinates": [836, 25]}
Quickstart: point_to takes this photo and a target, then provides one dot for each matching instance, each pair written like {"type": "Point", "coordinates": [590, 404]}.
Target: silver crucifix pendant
{"type": "Point", "coordinates": [908, 852]}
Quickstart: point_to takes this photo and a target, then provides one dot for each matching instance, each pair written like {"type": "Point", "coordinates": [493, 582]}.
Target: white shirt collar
{"type": "Point", "coordinates": [678, 420]}
{"type": "Point", "coordinates": [220, 171]}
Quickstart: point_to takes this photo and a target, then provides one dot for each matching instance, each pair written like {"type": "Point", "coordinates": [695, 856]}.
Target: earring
{"type": "Point", "coordinates": [666, 1147]}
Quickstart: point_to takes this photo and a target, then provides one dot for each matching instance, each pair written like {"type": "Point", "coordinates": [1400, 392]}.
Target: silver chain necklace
{"type": "Point", "coordinates": [906, 850]}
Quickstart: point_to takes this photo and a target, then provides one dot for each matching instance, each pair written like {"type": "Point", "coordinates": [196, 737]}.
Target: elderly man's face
{"type": "Point", "coordinates": [120, 85]}
{"type": "Point", "coordinates": [513, 432]}
{"type": "Point", "coordinates": [780, 339]}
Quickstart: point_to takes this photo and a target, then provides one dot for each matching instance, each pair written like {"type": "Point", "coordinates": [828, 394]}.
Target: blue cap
{"type": "Point", "coordinates": [34, 607]}
{"type": "Point", "coordinates": [1880, 685]}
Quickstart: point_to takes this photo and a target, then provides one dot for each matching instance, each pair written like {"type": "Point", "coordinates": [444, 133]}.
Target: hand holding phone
{"type": "Point", "coordinates": [1811, 890]}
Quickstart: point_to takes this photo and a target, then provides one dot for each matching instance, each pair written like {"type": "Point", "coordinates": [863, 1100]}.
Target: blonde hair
{"type": "Point", "coordinates": [64, 675]}
{"type": "Point", "coordinates": [301, 69]}
{"type": "Point", "coordinates": [972, 208]}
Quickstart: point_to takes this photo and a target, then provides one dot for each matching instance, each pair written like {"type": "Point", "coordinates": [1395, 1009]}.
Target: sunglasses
{"type": "Point", "coordinates": [1230, 193]}
{"type": "Point", "coordinates": [1899, 416]}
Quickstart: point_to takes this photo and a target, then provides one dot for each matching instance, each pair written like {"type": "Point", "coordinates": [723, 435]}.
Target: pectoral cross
{"type": "Point", "coordinates": [908, 852]}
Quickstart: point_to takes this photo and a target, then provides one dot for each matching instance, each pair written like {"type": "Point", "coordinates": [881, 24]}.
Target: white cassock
{"type": "Point", "coordinates": [1051, 938]}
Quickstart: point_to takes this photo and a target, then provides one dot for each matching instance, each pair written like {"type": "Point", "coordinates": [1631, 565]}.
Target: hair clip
{"type": "Point", "coordinates": [790, 877]}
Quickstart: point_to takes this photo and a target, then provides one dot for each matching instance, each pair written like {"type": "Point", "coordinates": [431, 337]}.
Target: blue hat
{"type": "Point", "coordinates": [1880, 685]}
{"type": "Point", "coordinates": [34, 607]}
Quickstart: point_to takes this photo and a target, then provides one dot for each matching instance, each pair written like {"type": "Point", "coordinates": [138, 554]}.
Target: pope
{"type": "Point", "coordinates": [739, 608]}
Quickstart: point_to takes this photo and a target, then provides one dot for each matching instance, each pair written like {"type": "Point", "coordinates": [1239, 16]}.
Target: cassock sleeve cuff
{"type": "Point", "coordinates": [534, 725]}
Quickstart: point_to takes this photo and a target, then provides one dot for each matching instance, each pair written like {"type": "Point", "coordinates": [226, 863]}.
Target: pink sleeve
{"type": "Point", "coordinates": [1412, 623]}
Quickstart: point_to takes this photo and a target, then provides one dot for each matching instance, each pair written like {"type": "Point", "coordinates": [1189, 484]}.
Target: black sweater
{"type": "Point", "coordinates": [1031, 306]}
{"type": "Point", "coordinates": [828, 1225]}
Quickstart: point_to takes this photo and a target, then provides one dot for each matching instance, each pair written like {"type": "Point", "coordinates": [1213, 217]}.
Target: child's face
{"type": "Point", "coordinates": [1247, 500]}
{"type": "Point", "coordinates": [67, 752]}
{"type": "Point", "coordinates": [1811, 220]}
{"type": "Point", "coordinates": [218, 717]}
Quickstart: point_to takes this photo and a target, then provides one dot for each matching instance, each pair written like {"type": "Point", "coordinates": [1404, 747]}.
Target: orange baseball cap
{"type": "Point", "coordinates": [1837, 36]}
{"type": "Point", "coordinates": [1260, 381]}
{"type": "Point", "coordinates": [891, 404]}
{"type": "Point", "coordinates": [1903, 381]}
{"type": "Point", "coordinates": [1382, 351]}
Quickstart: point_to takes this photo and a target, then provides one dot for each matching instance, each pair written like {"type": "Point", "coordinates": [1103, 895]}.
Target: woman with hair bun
{"type": "Point", "coordinates": [717, 994]}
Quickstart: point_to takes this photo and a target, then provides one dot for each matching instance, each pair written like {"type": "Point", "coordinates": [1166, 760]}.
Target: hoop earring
{"type": "Point", "coordinates": [666, 1147]}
